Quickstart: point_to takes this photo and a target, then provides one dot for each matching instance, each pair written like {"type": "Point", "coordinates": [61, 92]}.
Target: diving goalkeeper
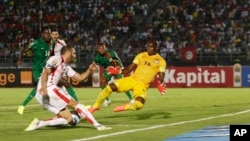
{"type": "Point", "coordinates": [146, 66]}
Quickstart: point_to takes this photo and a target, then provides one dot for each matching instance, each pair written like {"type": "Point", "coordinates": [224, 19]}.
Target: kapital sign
{"type": "Point", "coordinates": [199, 76]}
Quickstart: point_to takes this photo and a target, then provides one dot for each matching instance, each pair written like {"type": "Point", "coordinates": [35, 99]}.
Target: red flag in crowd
{"type": "Point", "coordinates": [188, 54]}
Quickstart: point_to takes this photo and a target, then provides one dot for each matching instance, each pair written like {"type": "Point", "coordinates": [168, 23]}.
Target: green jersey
{"type": "Point", "coordinates": [41, 52]}
{"type": "Point", "coordinates": [105, 62]}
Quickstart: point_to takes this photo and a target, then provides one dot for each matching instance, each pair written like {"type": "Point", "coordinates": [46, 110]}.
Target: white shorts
{"type": "Point", "coordinates": [56, 100]}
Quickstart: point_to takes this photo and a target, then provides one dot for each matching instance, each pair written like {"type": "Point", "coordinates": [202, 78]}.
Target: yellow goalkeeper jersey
{"type": "Point", "coordinates": [148, 67]}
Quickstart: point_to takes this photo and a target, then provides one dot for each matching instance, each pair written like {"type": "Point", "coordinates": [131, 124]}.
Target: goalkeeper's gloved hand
{"type": "Point", "coordinates": [161, 87]}
{"type": "Point", "coordinates": [114, 70]}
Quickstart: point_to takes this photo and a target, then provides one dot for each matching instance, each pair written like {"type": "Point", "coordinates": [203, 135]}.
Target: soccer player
{"type": "Point", "coordinates": [146, 66]}
{"type": "Point", "coordinates": [55, 99]}
{"type": "Point", "coordinates": [59, 43]}
{"type": "Point", "coordinates": [41, 52]}
{"type": "Point", "coordinates": [105, 58]}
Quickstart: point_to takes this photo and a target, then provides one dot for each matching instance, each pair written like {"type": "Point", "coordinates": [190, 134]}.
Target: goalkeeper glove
{"type": "Point", "coordinates": [161, 87]}
{"type": "Point", "coordinates": [113, 70]}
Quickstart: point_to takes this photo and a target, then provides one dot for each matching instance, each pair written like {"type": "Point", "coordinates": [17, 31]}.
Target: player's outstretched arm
{"type": "Point", "coordinates": [129, 69]}
{"type": "Point", "coordinates": [84, 76]}
{"type": "Point", "coordinates": [162, 87]}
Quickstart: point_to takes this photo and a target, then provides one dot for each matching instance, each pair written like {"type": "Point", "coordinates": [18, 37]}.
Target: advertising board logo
{"type": "Point", "coordinates": [26, 77]}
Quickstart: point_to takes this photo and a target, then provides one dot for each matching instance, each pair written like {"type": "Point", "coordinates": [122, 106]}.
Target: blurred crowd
{"type": "Point", "coordinates": [216, 28]}
{"type": "Point", "coordinates": [211, 26]}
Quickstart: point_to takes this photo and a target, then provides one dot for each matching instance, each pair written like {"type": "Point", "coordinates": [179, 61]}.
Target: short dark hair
{"type": "Point", "coordinates": [65, 49]}
{"type": "Point", "coordinates": [153, 42]}
{"type": "Point", "coordinates": [45, 28]}
{"type": "Point", "coordinates": [54, 29]}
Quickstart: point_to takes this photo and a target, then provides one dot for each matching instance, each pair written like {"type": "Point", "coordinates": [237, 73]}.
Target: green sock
{"type": "Point", "coordinates": [129, 95]}
{"type": "Point", "coordinates": [102, 89]}
{"type": "Point", "coordinates": [29, 97]}
{"type": "Point", "coordinates": [72, 93]}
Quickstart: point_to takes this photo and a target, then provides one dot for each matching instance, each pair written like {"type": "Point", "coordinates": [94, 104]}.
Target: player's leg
{"type": "Point", "coordinates": [120, 85]}
{"type": "Point", "coordinates": [104, 81]}
{"type": "Point", "coordinates": [136, 105]}
{"type": "Point", "coordinates": [58, 120]}
{"type": "Point", "coordinates": [21, 108]}
{"type": "Point", "coordinates": [72, 93]}
{"type": "Point", "coordinates": [140, 96]}
{"type": "Point", "coordinates": [47, 102]}
{"type": "Point", "coordinates": [69, 89]}
{"type": "Point", "coordinates": [128, 93]}
{"type": "Point", "coordinates": [85, 114]}
{"type": "Point", "coordinates": [36, 75]}
{"type": "Point", "coordinates": [60, 99]}
{"type": "Point", "coordinates": [106, 92]}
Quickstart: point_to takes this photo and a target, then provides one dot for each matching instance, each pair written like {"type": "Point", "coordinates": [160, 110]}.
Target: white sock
{"type": "Point", "coordinates": [85, 114]}
{"type": "Point", "coordinates": [52, 122]}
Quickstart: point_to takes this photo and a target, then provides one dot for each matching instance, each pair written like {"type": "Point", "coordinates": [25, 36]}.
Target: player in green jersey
{"type": "Point", "coordinates": [105, 58]}
{"type": "Point", "coordinates": [41, 49]}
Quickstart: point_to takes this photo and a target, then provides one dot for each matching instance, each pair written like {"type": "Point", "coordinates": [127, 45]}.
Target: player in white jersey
{"type": "Point", "coordinates": [58, 45]}
{"type": "Point", "coordinates": [55, 99]}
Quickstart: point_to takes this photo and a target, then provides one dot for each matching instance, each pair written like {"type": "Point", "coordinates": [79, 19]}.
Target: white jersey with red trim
{"type": "Point", "coordinates": [59, 70]}
{"type": "Point", "coordinates": [59, 45]}
{"type": "Point", "coordinates": [57, 98]}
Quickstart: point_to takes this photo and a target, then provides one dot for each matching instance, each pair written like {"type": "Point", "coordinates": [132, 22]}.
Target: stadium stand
{"type": "Point", "coordinates": [214, 30]}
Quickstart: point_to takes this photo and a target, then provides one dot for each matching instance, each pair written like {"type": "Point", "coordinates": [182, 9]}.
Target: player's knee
{"type": "Point", "coordinates": [113, 86]}
{"type": "Point", "coordinates": [108, 89]}
{"type": "Point", "coordinates": [138, 105]}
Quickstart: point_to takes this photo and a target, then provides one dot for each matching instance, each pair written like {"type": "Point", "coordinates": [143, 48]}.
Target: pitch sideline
{"type": "Point", "coordinates": [160, 126]}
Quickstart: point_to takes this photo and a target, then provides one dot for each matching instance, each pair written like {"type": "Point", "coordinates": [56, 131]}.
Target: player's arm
{"type": "Point", "coordinates": [44, 77]}
{"type": "Point", "coordinates": [22, 53]}
{"type": "Point", "coordinates": [126, 70]}
{"type": "Point", "coordinates": [49, 67]}
{"type": "Point", "coordinates": [161, 76]}
{"type": "Point", "coordinates": [133, 65]}
{"type": "Point", "coordinates": [129, 68]}
{"type": "Point", "coordinates": [161, 85]}
{"type": "Point", "coordinates": [84, 75]}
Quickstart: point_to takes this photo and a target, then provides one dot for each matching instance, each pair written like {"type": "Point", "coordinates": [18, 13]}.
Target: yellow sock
{"type": "Point", "coordinates": [106, 92]}
{"type": "Point", "coordinates": [134, 106]}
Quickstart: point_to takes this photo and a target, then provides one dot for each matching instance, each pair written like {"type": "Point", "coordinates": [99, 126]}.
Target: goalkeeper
{"type": "Point", "coordinates": [106, 58]}
{"type": "Point", "coordinates": [146, 66]}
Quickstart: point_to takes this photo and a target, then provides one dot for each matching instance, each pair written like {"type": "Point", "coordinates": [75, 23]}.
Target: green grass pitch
{"type": "Point", "coordinates": [180, 111]}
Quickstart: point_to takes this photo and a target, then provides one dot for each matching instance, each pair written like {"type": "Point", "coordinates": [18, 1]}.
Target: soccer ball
{"type": "Point", "coordinates": [75, 119]}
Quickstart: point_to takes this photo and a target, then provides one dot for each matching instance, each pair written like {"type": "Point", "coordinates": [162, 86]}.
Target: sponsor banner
{"type": "Point", "coordinates": [23, 78]}
{"type": "Point", "coordinates": [198, 77]}
{"type": "Point", "coordinates": [9, 77]}
{"type": "Point", "coordinates": [188, 54]}
{"type": "Point", "coordinates": [246, 76]}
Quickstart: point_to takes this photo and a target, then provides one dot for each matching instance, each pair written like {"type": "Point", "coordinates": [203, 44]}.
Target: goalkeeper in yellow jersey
{"type": "Point", "coordinates": [146, 66]}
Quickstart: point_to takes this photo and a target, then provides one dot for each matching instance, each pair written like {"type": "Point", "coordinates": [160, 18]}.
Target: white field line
{"type": "Point", "coordinates": [160, 126]}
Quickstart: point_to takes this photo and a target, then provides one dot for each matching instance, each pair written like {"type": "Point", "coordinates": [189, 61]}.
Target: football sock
{"type": "Point", "coordinates": [52, 122]}
{"type": "Point", "coordinates": [29, 97]}
{"type": "Point", "coordinates": [129, 95]}
{"type": "Point", "coordinates": [72, 93]}
{"type": "Point", "coordinates": [134, 106]}
{"type": "Point", "coordinates": [85, 114]}
{"type": "Point", "coordinates": [103, 88]}
{"type": "Point", "coordinates": [106, 92]}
